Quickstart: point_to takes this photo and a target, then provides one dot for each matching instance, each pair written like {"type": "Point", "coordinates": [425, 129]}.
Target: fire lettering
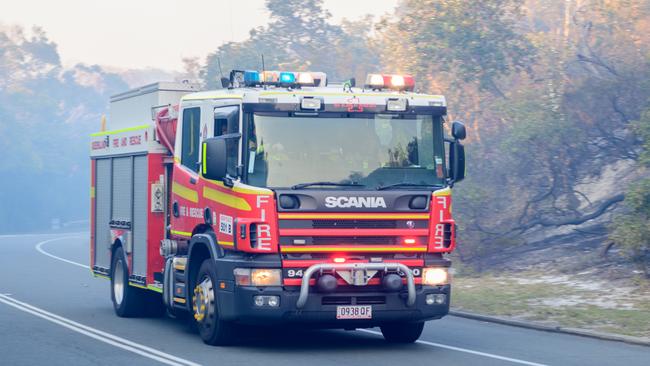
{"type": "Point", "coordinates": [264, 237]}
{"type": "Point", "coordinates": [263, 230]}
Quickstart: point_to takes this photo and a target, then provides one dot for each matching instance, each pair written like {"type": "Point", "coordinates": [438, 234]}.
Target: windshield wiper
{"type": "Point", "coordinates": [381, 188]}
{"type": "Point", "coordinates": [304, 185]}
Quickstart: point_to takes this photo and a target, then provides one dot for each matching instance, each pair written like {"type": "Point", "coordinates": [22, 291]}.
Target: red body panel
{"type": "Point", "coordinates": [156, 220]}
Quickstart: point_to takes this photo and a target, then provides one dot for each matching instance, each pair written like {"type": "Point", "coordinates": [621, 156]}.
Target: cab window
{"type": "Point", "coordinates": [226, 122]}
{"type": "Point", "coordinates": [191, 129]}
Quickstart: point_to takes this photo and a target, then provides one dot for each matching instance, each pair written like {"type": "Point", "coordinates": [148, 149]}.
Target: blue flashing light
{"type": "Point", "coordinates": [251, 78]}
{"type": "Point", "coordinates": [287, 78]}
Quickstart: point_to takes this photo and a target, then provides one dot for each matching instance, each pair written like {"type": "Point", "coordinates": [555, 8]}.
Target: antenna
{"type": "Point", "coordinates": [225, 82]}
{"type": "Point", "coordinates": [219, 64]}
{"type": "Point", "coordinates": [263, 72]}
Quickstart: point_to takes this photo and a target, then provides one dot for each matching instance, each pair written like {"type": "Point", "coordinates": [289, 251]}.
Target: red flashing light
{"type": "Point", "coordinates": [409, 241]}
{"type": "Point", "coordinates": [390, 81]}
{"type": "Point", "coordinates": [339, 260]}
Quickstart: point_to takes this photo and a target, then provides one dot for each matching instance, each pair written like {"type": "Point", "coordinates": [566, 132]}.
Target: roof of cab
{"type": "Point", "coordinates": [330, 94]}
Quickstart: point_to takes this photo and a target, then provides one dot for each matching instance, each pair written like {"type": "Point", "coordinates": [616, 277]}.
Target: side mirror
{"type": "Point", "coordinates": [214, 157]}
{"type": "Point", "coordinates": [456, 161]}
{"type": "Point", "coordinates": [458, 130]}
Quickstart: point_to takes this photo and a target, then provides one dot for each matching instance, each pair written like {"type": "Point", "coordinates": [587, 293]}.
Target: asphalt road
{"type": "Point", "coordinates": [53, 312]}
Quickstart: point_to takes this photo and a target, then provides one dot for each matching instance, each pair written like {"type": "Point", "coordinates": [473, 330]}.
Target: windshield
{"type": "Point", "coordinates": [376, 150]}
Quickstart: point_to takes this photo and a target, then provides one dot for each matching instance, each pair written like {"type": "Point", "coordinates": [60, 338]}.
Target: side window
{"type": "Point", "coordinates": [226, 122]}
{"type": "Point", "coordinates": [191, 128]}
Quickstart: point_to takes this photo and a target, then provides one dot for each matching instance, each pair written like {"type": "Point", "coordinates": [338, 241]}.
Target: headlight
{"type": "Point", "coordinates": [435, 276]}
{"type": "Point", "coordinates": [257, 277]}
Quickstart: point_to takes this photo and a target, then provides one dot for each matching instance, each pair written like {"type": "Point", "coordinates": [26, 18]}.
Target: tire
{"type": "Point", "coordinates": [205, 312]}
{"type": "Point", "coordinates": [402, 332]}
{"type": "Point", "coordinates": [128, 301]}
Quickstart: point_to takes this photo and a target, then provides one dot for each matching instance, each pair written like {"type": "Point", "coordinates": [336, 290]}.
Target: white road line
{"type": "Point", "coordinates": [38, 234]}
{"type": "Point", "coordinates": [39, 247]}
{"type": "Point", "coordinates": [465, 350]}
{"type": "Point", "coordinates": [99, 335]}
{"type": "Point", "coordinates": [439, 345]}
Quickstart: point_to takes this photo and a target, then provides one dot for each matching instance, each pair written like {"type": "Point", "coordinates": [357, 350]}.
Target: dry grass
{"type": "Point", "coordinates": [558, 300]}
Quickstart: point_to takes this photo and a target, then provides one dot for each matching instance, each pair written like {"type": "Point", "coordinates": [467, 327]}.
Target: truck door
{"type": "Point", "coordinates": [186, 212]}
{"type": "Point", "coordinates": [222, 201]}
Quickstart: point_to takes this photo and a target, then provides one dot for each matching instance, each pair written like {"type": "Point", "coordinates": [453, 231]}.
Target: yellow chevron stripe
{"type": "Point", "coordinates": [187, 193]}
{"type": "Point", "coordinates": [137, 285]}
{"type": "Point", "coordinates": [226, 199]}
{"type": "Point", "coordinates": [128, 129]}
{"type": "Point", "coordinates": [442, 192]}
{"type": "Point", "coordinates": [154, 288]}
{"type": "Point", "coordinates": [240, 189]}
{"type": "Point", "coordinates": [181, 233]}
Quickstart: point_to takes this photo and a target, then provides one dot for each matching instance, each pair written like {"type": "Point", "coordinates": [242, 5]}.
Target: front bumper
{"type": "Point", "coordinates": [236, 304]}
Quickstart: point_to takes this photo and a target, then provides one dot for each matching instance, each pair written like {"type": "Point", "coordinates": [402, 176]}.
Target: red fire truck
{"type": "Point", "coordinates": [279, 199]}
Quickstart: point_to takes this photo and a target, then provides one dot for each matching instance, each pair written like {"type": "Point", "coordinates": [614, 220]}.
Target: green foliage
{"type": "Point", "coordinates": [631, 230]}
{"type": "Point", "coordinates": [476, 40]}
{"type": "Point", "coordinates": [298, 37]}
{"type": "Point", "coordinates": [642, 128]}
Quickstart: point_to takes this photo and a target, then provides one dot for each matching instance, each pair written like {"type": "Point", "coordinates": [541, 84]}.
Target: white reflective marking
{"type": "Point", "coordinates": [99, 335]}
{"type": "Point", "coordinates": [465, 350]}
{"type": "Point", "coordinates": [39, 247]}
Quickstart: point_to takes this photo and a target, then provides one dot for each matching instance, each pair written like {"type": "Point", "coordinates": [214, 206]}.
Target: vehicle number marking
{"type": "Point", "coordinates": [225, 224]}
{"type": "Point", "coordinates": [291, 273]}
{"type": "Point", "coordinates": [354, 312]}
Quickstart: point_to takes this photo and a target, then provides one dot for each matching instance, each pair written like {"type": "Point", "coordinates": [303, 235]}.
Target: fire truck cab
{"type": "Point", "coordinates": [279, 199]}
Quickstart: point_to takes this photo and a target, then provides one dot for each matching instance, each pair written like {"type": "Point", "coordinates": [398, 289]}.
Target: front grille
{"type": "Point", "coordinates": [347, 300]}
{"type": "Point", "coordinates": [336, 300]}
{"type": "Point", "coordinates": [371, 300]}
{"type": "Point", "coordinates": [354, 224]}
{"type": "Point", "coordinates": [333, 240]}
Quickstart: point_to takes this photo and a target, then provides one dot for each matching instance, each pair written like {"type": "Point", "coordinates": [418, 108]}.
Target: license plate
{"type": "Point", "coordinates": [354, 312]}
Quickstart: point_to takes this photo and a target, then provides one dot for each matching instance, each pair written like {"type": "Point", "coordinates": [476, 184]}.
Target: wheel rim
{"type": "Point", "coordinates": [118, 282]}
{"type": "Point", "coordinates": [203, 302]}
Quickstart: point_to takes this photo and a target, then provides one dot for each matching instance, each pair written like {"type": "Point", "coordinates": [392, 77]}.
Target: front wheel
{"type": "Point", "coordinates": [213, 330]}
{"type": "Point", "coordinates": [402, 332]}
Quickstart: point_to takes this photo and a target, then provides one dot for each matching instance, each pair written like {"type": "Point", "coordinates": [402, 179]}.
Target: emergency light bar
{"type": "Point", "coordinates": [394, 82]}
{"type": "Point", "coordinates": [250, 78]}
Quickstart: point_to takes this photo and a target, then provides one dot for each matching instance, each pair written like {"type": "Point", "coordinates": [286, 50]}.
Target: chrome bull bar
{"type": "Point", "coordinates": [304, 285]}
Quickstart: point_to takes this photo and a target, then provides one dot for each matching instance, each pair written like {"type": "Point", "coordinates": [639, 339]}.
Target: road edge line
{"type": "Point", "coordinates": [639, 341]}
{"type": "Point", "coordinates": [39, 248]}
{"type": "Point", "coordinates": [100, 335]}
{"type": "Point", "coordinates": [466, 350]}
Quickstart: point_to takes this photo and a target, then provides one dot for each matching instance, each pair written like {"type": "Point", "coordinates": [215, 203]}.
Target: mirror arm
{"type": "Point", "coordinates": [228, 181]}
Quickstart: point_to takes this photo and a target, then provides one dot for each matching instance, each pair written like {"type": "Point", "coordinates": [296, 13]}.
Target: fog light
{"type": "Point", "coordinates": [429, 299]}
{"type": "Point", "coordinates": [437, 299]}
{"type": "Point", "coordinates": [259, 300]}
{"type": "Point", "coordinates": [274, 301]}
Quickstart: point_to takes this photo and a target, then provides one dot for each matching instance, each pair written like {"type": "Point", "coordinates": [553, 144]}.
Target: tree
{"type": "Point", "coordinates": [631, 228]}
{"type": "Point", "coordinates": [299, 37]}
{"type": "Point", "coordinates": [46, 114]}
